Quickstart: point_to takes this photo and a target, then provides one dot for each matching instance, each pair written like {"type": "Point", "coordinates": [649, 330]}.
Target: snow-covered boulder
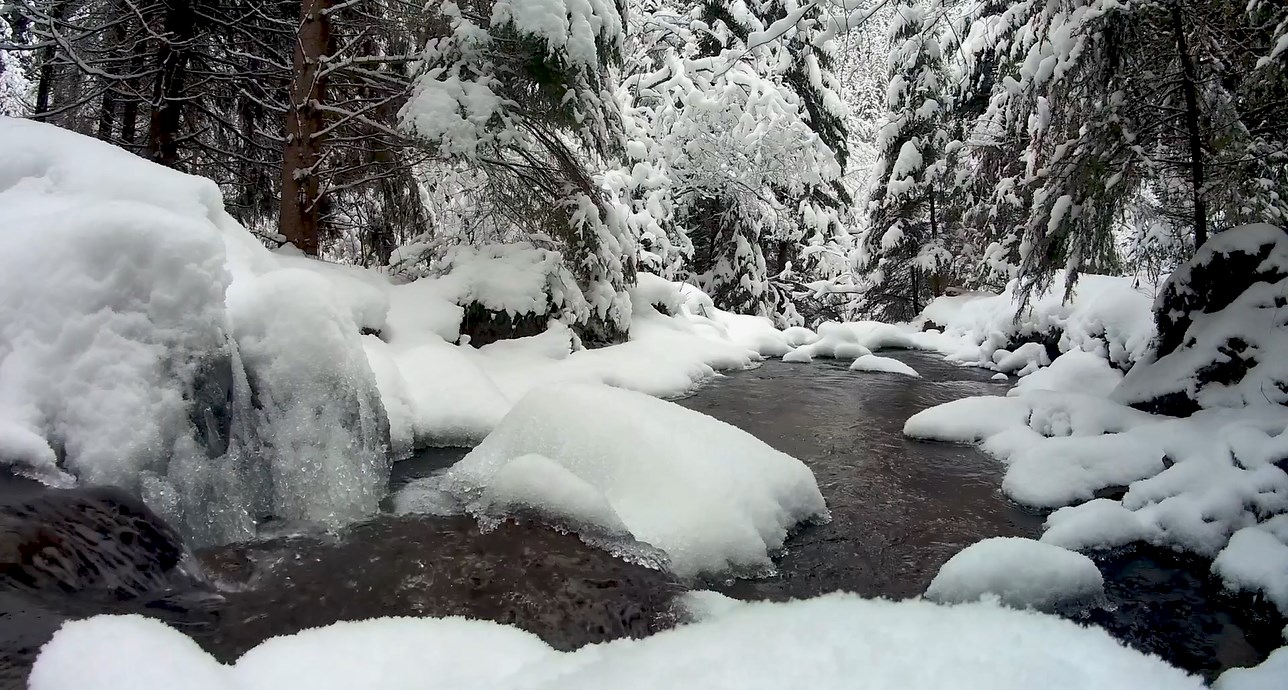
{"type": "Point", "coordinates": [1021, 572]}
{"type": "Point", "coordinates": [834, 642]}
{"type": "Point", "coordinates": [1221, 339]}
{"type": "Point", "coordinates": [137, 322]}
{"type": "Point", "coordinates": [1256, 560]}
{"type": "Point", "coordinates": [712, 496]}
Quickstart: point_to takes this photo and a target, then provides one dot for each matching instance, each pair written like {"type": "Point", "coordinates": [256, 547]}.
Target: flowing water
{"type": "Point", "coordinates": [900, 509]}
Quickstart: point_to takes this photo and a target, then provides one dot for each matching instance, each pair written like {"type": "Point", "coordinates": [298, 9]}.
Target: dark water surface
{"type": "Point", "coordinates": [900, 509]}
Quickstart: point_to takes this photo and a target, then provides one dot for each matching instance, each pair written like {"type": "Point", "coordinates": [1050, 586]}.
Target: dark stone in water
{"type": "Point", "coordinates": [99, 540]}
{"type": "Point", "coordinates": [79, 552]}
{"type": "Point", "coordinates": [525, 575]}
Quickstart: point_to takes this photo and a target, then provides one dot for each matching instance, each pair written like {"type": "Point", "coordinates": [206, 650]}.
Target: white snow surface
{"type": "Point", "coordinates": [712, 496]}
{"type": "Point", "coordinates": [830, 642]}
{"type": "Point", "coordinates": [1191, 483]}
{"type": "Point", "coordinates": [1021, 572]}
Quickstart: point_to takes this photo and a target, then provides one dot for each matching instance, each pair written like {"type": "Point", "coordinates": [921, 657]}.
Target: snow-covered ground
{"type": "Point", "coordinates": [835, 641]}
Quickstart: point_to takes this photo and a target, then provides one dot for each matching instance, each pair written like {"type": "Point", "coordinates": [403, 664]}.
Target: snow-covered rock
{"type": "Point", "coordinates": [137, 322]}
{"type": "Point", "coordinates": [1222, 340]}
{"type": "Point", "coordinates": [1256, 560]}
{"type": "Point", "coordinates": [1021, 572]}
{"type": "Point", "coordinates": [1107, 315]}
{"type": "Point", "coordinates": [883, 364]}
{"type": "Point", "coordinates": [835, 341]}
{"type": "Point", "coordinates": [713, 497]}
{"type": "Point", "coordinates": [827, 643]}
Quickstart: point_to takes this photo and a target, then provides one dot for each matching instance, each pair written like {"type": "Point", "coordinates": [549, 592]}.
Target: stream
{"type": "Point", "coordinates": [900, 509]}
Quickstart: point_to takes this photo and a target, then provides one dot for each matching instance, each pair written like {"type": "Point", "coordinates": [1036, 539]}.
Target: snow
{"type": "Point", "coordinates": [1256, 559]}
{"type": "Point", "coordinates": [1099, 524]}
{"type": "Point", "coordinates": [713, 497]}
{"type": "Point", "coordinates": [1021, 572]}
{"type": "Point", "coordinates": [883, 364]}
{"type": "Point", "coordinates": [835, 340]}
{"type": "Point", "coordinates": [541, 485]}
{"type": "Point", "coordinates": [1109, 316]}
{"type": "Point", "coordinates": [1269, 675]}
{"type": "Point", "coordinates": [822, 643]}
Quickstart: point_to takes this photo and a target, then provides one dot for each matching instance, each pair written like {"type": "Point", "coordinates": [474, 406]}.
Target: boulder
{"type": "Point", "coordinates": [1222, 334]}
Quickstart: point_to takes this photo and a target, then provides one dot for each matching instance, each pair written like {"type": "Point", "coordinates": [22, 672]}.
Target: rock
{"type": "Point", "coordinates": [1221, 337]}
{"type": "Point", "coordinates": [485, 326]}
{"type": "Point", "coordinates": [1219, 272]}
{"type": "Point", "coordinates": [76, 541]}
{"type": "Point", "coordinates": [542, 581]}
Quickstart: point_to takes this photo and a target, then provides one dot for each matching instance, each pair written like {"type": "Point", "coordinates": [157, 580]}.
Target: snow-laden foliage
{"type": "Point", "coordinates": [518, 96]}
{"type": "Point", "coordinates": [1066, 121]}
{"type": "Point", "coordinates": [735, 104]}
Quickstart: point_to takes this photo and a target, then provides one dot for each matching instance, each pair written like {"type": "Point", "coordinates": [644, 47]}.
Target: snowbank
{"type": "Point", "coordinates": [830, 642]}
{"type": "Point", "coordinates": [1021, 572]}
{"type": "Point", "coordinates": [1188, 484]}
{"type": "Point", "coordinates": [713, 497]}
{"type": "Point", "coordinates": [1256, 560]}
{"type": "Point", "coordinates": [1109, 316]}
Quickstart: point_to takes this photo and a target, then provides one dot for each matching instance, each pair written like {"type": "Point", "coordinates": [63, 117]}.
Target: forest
{"type": "Point", "coordinates": [526, 344]}
{"type": "Point", "coordinates": [798, 160]}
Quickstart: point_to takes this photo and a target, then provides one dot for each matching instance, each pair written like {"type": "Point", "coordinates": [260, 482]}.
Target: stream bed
{"type": "Point", "coordinates": [900, 508]}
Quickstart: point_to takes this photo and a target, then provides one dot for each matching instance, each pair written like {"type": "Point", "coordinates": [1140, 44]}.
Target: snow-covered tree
{"type": "Point", "coordinates": [519, 94]}
{"type": "Point", "coordinates": [904, 252]}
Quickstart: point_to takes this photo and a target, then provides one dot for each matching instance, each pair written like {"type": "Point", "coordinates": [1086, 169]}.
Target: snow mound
{"type": "Point", "coordinates": [1021, 572]}
{"type": "Point", "coordinates": [1097, 524]}
{"type": "Point", "coordinates": [713, 497]}
{"type": "Point", "coordinates": [1256, 559]}
{"type": "Point", "coordinates": [799, 335]}
{"type": "Point", "coordinates": [1073, 372]}
{"type": "Point", "coordinates": [512, 278]}
{"type": "Point", "coordinates": [883, 364]}
{"type": "Point", "coordinates": [824, 643]}
{"type": "Point", "coordinates": [835, 341]}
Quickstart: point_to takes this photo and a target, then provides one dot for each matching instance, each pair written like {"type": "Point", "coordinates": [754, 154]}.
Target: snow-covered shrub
{"type": "Point", "coordinates": [511, 290]}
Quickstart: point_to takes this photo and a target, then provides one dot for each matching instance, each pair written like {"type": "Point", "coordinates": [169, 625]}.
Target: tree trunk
{"type": "Point", "coordinates": [106, 115]}
{"type": "Point", "coordinates": [299, 219]}
{"type": "Point", "coordinates": [172, 58]}
{"type": "Point", "coordinates": [45, 82]}
{"type": "Point", "coordinates": [1189, 86]}
{"type": "Point", "coordinates": [936, 278]}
